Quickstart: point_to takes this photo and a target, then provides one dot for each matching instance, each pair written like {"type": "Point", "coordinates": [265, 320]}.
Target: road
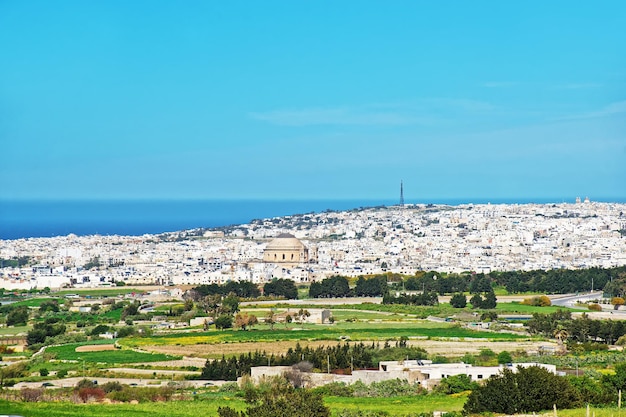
{"type": "Point", "coordinates": [570, 300]}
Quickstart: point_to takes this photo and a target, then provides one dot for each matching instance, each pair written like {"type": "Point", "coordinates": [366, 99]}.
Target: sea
{"type": "Point", "coordinates": [49, 218]}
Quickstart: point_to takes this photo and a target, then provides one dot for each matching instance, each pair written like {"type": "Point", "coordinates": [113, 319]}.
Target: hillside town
{"type": "Point", "coordinates": [309, 247]}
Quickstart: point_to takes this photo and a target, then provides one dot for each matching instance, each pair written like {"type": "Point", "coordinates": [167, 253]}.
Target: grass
{"type": "Point", "coordinates": [119, 356]}
{"type": "Point", "coordinates": [14, 330]}
{"type": "Point", "coordinates": [162, 409]}
{"type": "Point", "coordinates": [100, 292]}
{"type": "Point", "coordinates": [518, 308]}
{"type": "Point", "coordinates": [441, 310]}
{"type": "Point", "coordinates": [395, 406]}
{"type": "Point", "coordinates": [398, 406]}
{"type": "Point", "coordinates": [355, 331]}
{"type": "Point", "coordinates": [35, 302]}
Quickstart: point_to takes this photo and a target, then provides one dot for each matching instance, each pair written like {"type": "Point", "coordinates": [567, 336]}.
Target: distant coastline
{"type": "Point", "coordinates": [49, 218]}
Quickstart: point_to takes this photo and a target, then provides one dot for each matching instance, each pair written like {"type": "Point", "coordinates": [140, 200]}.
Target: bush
{"type": "Point", "coordinates": [31, 394]}
{"type": "Point", "coordinates": [336, 389]}
{"type": "Point", "coordinates": [594, 307]}
{"type": "Point", "coordinates": [229, 387]}
{"type": "Point", "coordinates": [112, 386]}
{"type": "Point", "coordinates": [455, 384]}
{"type": "Point", "coordinates": [504, 357]}
{"type": "Point", "coordinates": [62, 373]}
{"type": "Point", "coordinates": [85, 383]}
{"type": "Point", "coordinates": [539, 301]}
{"type": "Point", "coordinates": [91, 394]}
{"type": "Point", "coordinates": [44, 372]}
{"type": "Point", "coordinates": [528, 390]}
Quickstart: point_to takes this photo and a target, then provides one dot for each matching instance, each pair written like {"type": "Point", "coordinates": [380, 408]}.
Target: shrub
{"type": "Point", "coordinates": [594, 307]}
{"type": "Point", "coordinates": [91, 394]}
{"type": "Point", "coordinates": [112, 386]}
{"type": "Point", "coordinates": [539, 301]}
{"type": "Point", "coordinates": [85, 383]}
{"type": "Point", "coordinates": [31, 394]}
{"type": "Point", "coordinates": [336, 389]}
{"type": "Point", "coordinates": [62, 373]}
{"type": "Point", "coordinates": [229, 387]}
{"type": "Point", "coordinates": [504, 357]}
{"type": "Point", "coordinates": [44, 372]}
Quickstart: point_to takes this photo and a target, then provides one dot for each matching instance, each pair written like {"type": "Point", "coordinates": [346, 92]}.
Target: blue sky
{"type": "Point", "coordinates": [309, 100]}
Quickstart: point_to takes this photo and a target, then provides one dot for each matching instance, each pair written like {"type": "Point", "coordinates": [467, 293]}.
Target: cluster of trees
{"type": "Point", "coordinates": [486, 301]}
{"type": "Point", "coordinates": [372, 287]}
{"type": "Point", "coordinates": [278, 287]}
{"type": "Point", "coordinates": [338, 286]}
{"type": "Point", "coordinates": [281, 288]}
{"type": "Point", "coordinates": [281, 399]}
{"type": "Point", "coordinates": [528, 390]}
{"type": "Point", "coordinates": [16, 316]}
{"type": "Point", "coordinates": [580, 330]}
{"type": "Point", "coordinates": [41, 331]}
{"type": "Point", "coordinates": [423, 299]}
{"type": "Point", "coordinates": [556, 281]}
{"type": "Point", "coordinates": [243, 289]}
{"type": "Point", "coordinates": [535, 389]}
{"type": "Point", "coordinates": [15, 262]}
{"type": "Point", "coordinates": [342, 356]}
{"type": "Point", "coordinates": [331, 287]}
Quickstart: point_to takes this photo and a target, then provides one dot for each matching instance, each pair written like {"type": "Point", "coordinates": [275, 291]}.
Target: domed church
{"type": "Point", "coordinates": [287, 249]}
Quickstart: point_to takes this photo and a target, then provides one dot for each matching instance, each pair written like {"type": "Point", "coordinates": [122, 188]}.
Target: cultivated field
{"type": "Point", "coordinates": [433, 347]}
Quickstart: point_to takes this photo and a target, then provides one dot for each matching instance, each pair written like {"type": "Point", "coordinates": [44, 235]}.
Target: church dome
{"type": "Point", "coordinates": [285, 241]}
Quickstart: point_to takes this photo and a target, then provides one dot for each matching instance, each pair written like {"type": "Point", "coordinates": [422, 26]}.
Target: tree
{"type": "Point", "coordinates": [476, 301]}
{"type": "Point", "coordinates": [286, 402]}
{"type": "Point", "coordinates": [489, 301]}
{"type": "Point", "coordinates": [455, 384]}
{"type": "Point", "coordinates": [50, 305]}
{"type": "Point", "coordinates": [99, 329]}
{"type": "Point", "coordinates": [458, 300]}
{"type": "Point", "coordinates": [530, 389]}
{"type": "Point", "coordinates": [281, 288]}
{"type": "Point", "coordinates": [504, 357]}
{"type": "Point", "coordinates": [270, 319]}
{"type": "Point", "coordinates": [244, 320]}
{"type": "Point", "coordinates": [225, 321]}
{"type": "Point", "coordinates": [617, 302]}
{"type": "Point", "coordinates": [18, 316]}
{"type": "Point", "coordinates": [230, 304]}
{"type": "Point", "coordinates": [130, 310]}
{"type": "Point", "coordinates": [211, 304]}
{"type": "Point", "coordinates": [302, 315]}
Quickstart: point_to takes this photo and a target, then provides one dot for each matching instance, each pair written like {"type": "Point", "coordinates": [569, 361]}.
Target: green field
{"type": "Point", "coordinates": [100, 292]}
{"type": "Point", "coordinates": [14, 330]}
{"type": "Point", "coordinates": [161, 409]}
{"type": "Point", "coordinates": [68, 352]}
{"type": "Point", "coordinates": [354, 331]}
{"type": "Point", "coordinates": [34, 302]}
{"type": "Point", "coordinates": [394, 406]}
{"type": "Point", "coordinates": [518, 308]}
{"type": "Point", "coordinates": [441, 310]}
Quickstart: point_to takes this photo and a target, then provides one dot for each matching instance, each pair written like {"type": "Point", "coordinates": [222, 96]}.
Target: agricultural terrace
{"type": "Point", "coordinates": [103, 352]}
{"type": "Point", "coordinates": [354, 331]}
{"type": "Point", "coordinates": [208, 403]}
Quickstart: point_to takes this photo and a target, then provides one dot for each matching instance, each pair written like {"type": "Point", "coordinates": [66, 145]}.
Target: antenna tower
{"type": "Point", "coordinates": [401, 193]}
